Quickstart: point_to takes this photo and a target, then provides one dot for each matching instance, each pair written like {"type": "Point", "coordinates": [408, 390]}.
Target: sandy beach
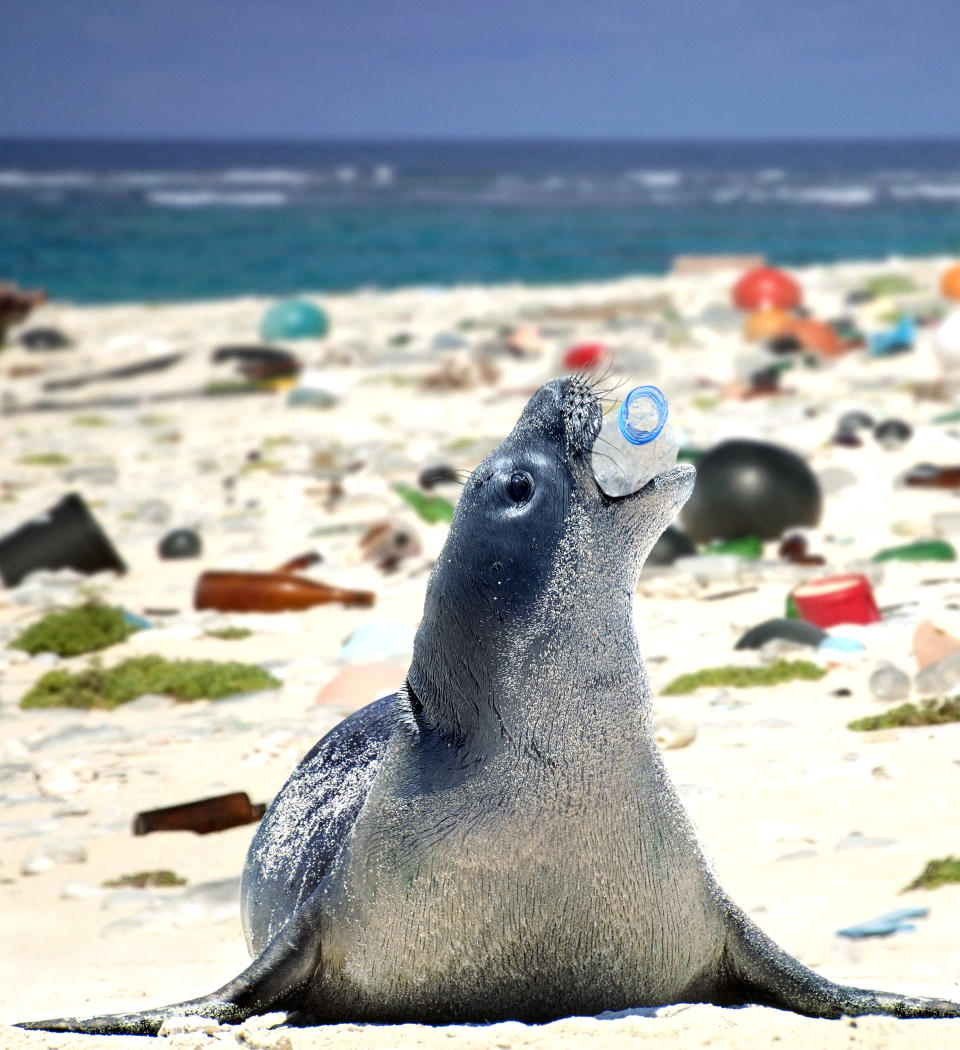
{"type": "Point", "coordinates": [811, 827]}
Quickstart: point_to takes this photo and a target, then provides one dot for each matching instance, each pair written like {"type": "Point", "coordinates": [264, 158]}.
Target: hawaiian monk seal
{"type": "Point", "coordinates": [500, 839]}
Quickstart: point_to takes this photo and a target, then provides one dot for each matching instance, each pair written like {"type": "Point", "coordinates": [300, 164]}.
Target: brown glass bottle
{"type": "Point", "coordinates": [203, 816]}
{"type": "Point", "coordinates": [270, 592]}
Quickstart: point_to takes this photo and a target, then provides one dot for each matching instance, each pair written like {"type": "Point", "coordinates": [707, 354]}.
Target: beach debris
{"type": "Point", "coordinates": [15, 306]}
{"type": "Point", "coordinates": [885, 925]}
{"type": "Point", "coordinates": [294, 319]}
{"type": "Point", "coordinates": [765, 286]}
{"type": "Point", "coordinates": [146, 366]}
{"type": "Point", "coordinates": [931, 644]}
{"type": "Point", "coordinates": [387, 543]}
{"type": "Point", "coordinates": [892, 434]}
{"type": "Point", "coordinates": [765, 323]}
{"type": "Point", "coordinates": [895, 340]}
{"type": "Point", "coordinates": [585, 356]}
{"type": "Point", "coordinates": [829, 600]}
{"type": "Point", "coordinates": [525, 341]}
{"type": "Point", "coordinates": [936, 873]}
{"type": "Point", "coordinates": [377, 640]}
{"type": "Point", "coordinates": [672, 544]}
{"type": "Point", "coordinates": [889, 683]}
{"type": "Point", "coordinates": [202, 816]}
{"type": "Point", "coordinates": [751, 488]}
{"type": "Point", "coordinates": [85, 628]}
{"type": "Point", "coordinates": [317, 388]}
{"type": "Point", "coordinates": [152, 879]}
{"type": "Point", "coordinates": [794, 548]}
{"type": "Point", "coordinates": [270, 592]}
{"type": "Point", "coordinates": [743, 677]}
{"type": "Point", "coordinates": [946, 343]}
{"type": "Point", "coordinates": [433, 510]}
{"type": "Point", "coordinates": [748, 547]}
{"type": "Point", "coordinates": [926, 713]}
{"type": "Point", "coordinates": [671, 733]}
{"type": "Point", "coordinates": [358, 685]}
{"type": "Point", "coordinates": [920, 550]}
{"type": "Point", "coordinates": [51, 854]}
{"type": "Point", "coordinates": [299, 562]}
{"type": "Point", "coordinates": [180, 543]}
{"type": "Point", "coordinates": [950, 282]}
{"type": "Point", "coordinates": [44, 337]}
{"type": "Point", "coordinates": [260, 364]}
{"type": "Point", "coordinates": [816, 336]}
{"type": "Point", "coordinates": [849, 425]}
{"type": "Point", "coordinates": [66, 535]}
{"type": "Point", "coordinates": [460, 370]}
{"type": "Point", "coordinates": [438, 474]}
{"type": "Point", "coordinates": [841, 645]}
{"type": "Point", "coordinates": [857, 840]}
{"type": "Point", "coordinates": [784, 343]}
{"type": "Point", "coordinates": [185, 680]}
{"type": "Point", "coordinates": [797, 632]}
{"type": "Point", "coordinates": [940, 677]}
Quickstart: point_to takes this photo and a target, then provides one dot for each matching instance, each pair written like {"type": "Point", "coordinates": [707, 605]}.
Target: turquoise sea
{"type": "Point", "coordinates": [111, 221]}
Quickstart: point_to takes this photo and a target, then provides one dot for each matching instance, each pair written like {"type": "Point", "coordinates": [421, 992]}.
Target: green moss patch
{"type": "Point", "coordinates": [146, 879]}
{"type": "Point", "coordinates": [45, 459]}
{"type": "Point", "coordinates": [229, 634]}
{"type": "Point", "coordinates": [741, 677]}
{"type": "Point", "coordinates": [928, 713]}
{"type": "Point", "coordinates": [936, 873]}
{"type": "Point", "coordinates": [85, 628]}
{"type": "Point", "coordinates": [107, 688]}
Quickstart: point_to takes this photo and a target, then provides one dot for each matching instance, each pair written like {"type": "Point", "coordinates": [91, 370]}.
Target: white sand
{"type": "Point", "coordinates": [811, 827]}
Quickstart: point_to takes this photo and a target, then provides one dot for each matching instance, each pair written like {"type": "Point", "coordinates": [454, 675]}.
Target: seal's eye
{"type": "Point", "coordinates": [519, 487]}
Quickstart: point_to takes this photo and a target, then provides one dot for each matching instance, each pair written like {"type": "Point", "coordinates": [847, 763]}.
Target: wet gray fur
{"type": "Point", "coordinates": [501, 839]}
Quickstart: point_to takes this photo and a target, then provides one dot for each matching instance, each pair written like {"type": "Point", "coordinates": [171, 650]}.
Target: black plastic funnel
{"type": "Point", "coordinates": [66, 536]}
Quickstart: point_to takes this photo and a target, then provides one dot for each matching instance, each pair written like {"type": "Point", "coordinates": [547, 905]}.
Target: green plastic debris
{"type": "Point", "coordinates": [790, 610]}
{"type": "Point", "coordinates": [745, 546]}
{"type": "Point", "coordinates": [921, 550]}
{"type": "Point", "coordinates": [433, 509]}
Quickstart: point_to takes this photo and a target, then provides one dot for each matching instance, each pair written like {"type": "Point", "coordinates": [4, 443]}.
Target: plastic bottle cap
{"type": "Point", "coordinates": [657, 402]}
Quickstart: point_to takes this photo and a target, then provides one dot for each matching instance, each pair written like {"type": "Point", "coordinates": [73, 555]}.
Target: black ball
{"type": "Point", "coordinates": [750, 488]}
{"type": "Point", "coordinates": [180, 543]}
{"type": "Point", "coordinates": [672, 544]}
{"type": "Point", "coordinates": [892, 433]}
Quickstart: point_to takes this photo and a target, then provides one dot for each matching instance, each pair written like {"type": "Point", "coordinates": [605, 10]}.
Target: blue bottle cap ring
{"type": "Point", "coordinates": [658, 401]}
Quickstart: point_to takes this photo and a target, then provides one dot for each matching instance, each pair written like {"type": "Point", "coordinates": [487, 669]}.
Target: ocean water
{"type": "Point", "coordinates": [112, 221]}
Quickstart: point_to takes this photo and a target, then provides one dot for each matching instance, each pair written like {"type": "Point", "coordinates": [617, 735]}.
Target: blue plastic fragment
{"type": "Point", "coordinates": [655, 396]}
{"type": "Point", "coordinates": [838, 643]}
{"type": "Point", "coordinates": [900, 337]}
{"type": "Point", "coordinates": [135, 621]}
{"type": "Point", "coordinates": [884, 925]}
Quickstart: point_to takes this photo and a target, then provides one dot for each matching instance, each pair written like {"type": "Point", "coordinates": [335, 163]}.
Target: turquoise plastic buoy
{"type": "Point", "coordinates": [294, 319]}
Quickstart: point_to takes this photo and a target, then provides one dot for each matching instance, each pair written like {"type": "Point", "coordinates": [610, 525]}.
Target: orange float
{"type": "Point", "coordinates": [765, 323]}
{"type": "Point", "coordinates": [817, 336]}
{"type": "Point", "coordinates": [950, 282]}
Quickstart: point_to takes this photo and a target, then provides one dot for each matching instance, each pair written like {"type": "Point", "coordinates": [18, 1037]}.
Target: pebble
{"type": "Point", "coordinates": [673, 733]}
{"type": "Point", "coordinates": [52, 854]}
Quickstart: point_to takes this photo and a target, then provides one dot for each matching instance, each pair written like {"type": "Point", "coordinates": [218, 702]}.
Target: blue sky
{"type": "Point", "coordinates": [487, 68]}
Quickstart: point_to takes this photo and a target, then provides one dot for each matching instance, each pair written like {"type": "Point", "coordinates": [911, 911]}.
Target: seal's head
{"type": "Point", "coordinates": [534, 545]}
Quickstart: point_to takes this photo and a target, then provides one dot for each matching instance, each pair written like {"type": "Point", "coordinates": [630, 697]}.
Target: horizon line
{"type": "Point", "coordinates": [360, 140]}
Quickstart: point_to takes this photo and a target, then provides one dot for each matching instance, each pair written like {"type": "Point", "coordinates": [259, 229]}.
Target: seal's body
{"type": "Point", "coordinates": [500, 839]}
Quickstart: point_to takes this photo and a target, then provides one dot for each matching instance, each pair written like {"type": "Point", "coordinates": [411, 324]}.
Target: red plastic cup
{"type": "Point", "coordinates": [830, 600]}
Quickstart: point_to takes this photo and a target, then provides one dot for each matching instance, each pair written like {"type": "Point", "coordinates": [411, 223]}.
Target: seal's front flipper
{"type": "Point", "coordinates": [759, 971]}
{"type": "Point", "coordinates": [271, 982]}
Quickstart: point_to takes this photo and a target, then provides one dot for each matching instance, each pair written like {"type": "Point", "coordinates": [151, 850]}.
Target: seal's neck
{"type": "Point", "coordinates": [564, 677]}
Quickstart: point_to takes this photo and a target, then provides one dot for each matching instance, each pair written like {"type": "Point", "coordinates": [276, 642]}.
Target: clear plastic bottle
{"type": "Point", "coordinates": [635, 443]}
